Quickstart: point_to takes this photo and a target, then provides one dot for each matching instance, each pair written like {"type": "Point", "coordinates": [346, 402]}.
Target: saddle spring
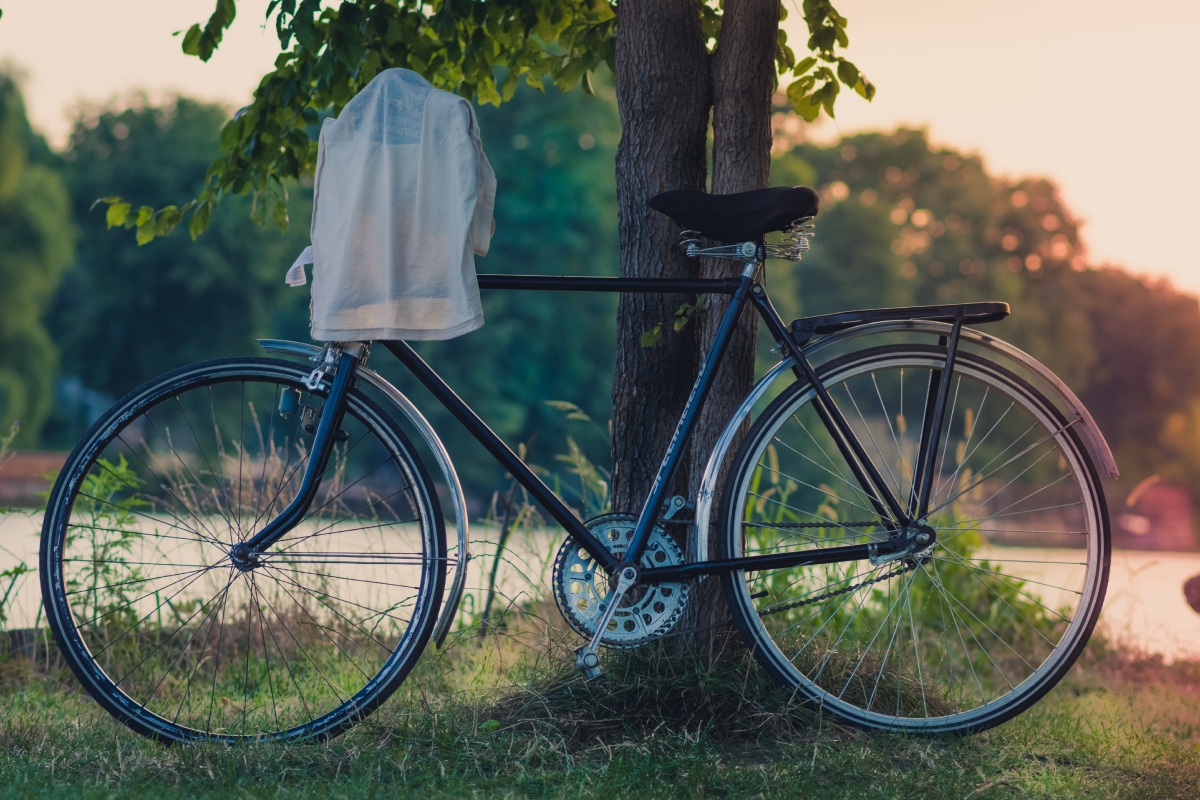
{"type": "Point", "coordinates": [794, 245]}
{"type": "Point", "coordinates": [795, 240]}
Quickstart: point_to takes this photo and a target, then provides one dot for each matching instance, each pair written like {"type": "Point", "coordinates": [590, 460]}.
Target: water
{"type": "Point", "coordinates": [1144, 607]}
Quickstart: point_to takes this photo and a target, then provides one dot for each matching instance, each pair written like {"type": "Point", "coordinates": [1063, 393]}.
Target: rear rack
{"type": "Point", "coordinates": [970, 313]}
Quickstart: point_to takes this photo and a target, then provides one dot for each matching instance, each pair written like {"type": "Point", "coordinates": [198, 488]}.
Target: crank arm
{"type": "Point", "coordinates": [585, 657]}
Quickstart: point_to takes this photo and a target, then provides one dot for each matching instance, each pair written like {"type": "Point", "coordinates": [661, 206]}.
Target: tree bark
{"type": "Point", "coordinates": [666, 85]}
{"type": "Point", "coordinates": [743, 80]}
{"type": "Point", "coordinates": [663, 96]}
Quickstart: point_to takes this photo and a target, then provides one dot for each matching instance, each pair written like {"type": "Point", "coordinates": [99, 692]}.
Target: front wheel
{"type": "Point", "coordinates": [176, 640]}
{"type": "Point", "coordinates": [964, 636]}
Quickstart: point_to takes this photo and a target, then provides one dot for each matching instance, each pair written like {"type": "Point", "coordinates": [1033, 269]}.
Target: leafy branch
{"type": "Point", "coordinates": [827, 32]}
{"type": "Point", "coordinates": [681, 317]}
{"type": "Point", "coordinates": [481, 50]}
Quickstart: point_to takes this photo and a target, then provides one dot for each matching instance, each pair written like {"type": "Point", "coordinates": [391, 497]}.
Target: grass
{"type": "Point", "coordinates": [510, 719]}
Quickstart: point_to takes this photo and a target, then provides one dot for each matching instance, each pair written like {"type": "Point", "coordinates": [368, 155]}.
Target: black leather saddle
{"type": "Point", "coordinates": [741, 217]}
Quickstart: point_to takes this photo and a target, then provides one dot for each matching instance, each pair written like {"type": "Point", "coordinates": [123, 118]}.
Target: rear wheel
{"type": "Point", "coordinates": [964, 636]}
{"type": "Point", "coordinates": [159, 624]}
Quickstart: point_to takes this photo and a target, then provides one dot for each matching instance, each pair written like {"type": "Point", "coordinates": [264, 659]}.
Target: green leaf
{"type": "Point", "coordinates": [804, 66]}
{"type": "Point", "coordinates": [279, 214]}
{"type": "Point", "coordinates": [652, 336]}
{"type": "Point", "coordinates": [199, 221]}
{"type": "Point", "coordinates": [847, 72]}
{"type": "Point", "coordinates": [865, 89]}
{"type": "Point", "coordinates": [231, 134]}
{"type": "Point", "coordinates": [116, 214]}
{"type": "Point", "coordinates": [144, 215]}
{"type": "Point", "coordinates": [145, 234]}
{"type": "Point", "coordinates": [191, 41]}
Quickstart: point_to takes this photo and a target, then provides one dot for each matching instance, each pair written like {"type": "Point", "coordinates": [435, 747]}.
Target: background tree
{"type": "Point", "coordinates": [36, 242]}
{"type": "Point", "coordinates": [903, 221]}
{"type": "Point", "coordinates": [125, 313]}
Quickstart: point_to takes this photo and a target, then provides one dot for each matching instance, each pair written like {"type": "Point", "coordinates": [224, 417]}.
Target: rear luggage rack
{"type": "Point", "coordinates": [970, 313]}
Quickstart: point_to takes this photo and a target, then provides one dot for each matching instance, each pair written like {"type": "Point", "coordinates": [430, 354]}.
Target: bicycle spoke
{"type": "Point", "coordinates": [288, 643]}
{"type": "Point", "coordinates": [948, 637]}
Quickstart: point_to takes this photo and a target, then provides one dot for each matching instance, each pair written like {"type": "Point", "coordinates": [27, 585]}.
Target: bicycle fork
{"type": "Point", "coordinates": [341, 363]}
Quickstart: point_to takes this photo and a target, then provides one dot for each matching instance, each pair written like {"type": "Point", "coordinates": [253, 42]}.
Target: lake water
{"type": "Point", "coordinates": [1145, 606]}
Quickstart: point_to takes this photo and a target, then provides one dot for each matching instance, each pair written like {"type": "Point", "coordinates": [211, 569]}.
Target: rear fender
{"type": "Point", "coordinates": [1013, 358]}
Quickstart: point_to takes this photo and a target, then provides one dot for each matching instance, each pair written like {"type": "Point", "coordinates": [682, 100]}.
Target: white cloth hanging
{"type": "Point", "coordinates": [403, 201]}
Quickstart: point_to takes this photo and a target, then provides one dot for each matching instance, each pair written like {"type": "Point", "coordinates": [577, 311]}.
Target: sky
{"type": "Point", "coordinates": [1098, 95]}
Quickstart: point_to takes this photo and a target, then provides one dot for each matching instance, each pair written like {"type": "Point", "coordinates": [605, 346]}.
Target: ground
{"type": "Point", "coordinates": [1120, 725]}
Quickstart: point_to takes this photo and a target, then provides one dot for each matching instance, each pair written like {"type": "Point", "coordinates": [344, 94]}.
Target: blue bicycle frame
{"type": "Point", "coordinates": [894, 515]}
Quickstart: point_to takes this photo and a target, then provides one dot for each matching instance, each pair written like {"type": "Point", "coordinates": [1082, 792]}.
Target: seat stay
{"type": "Point", "coordinates": [880, 495]}
{"type": "Point", "coordinates": [927, 463]}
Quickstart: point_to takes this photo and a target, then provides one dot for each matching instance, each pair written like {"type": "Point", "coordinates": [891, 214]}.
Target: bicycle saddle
{"type": "Point", "coordinates": [740, 217]}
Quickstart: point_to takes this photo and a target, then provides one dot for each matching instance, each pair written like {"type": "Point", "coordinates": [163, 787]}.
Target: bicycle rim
{"type": "Point", "coordinates": [153, 616]}
{"type": "Point", "coordinates": [977, 629]}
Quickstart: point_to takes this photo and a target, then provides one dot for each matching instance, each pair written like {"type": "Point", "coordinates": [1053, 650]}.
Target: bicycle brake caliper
{"type": "Point", "coordinates": [327, 358]}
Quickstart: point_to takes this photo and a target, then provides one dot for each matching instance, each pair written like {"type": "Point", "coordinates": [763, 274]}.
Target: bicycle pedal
{"type": "Point", "coordinates": [588, 663]}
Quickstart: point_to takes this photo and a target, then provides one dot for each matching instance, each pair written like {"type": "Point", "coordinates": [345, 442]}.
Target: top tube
{"type": "Point", "coordinates": [582, 283]}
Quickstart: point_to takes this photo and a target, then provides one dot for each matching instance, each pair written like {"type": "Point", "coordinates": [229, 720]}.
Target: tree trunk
{"type": "Point", "coordinates": [743, 80]}
{"type": "Point", "coordinates": [662, 74]}
{"type": "Point", "coordinates": [665, 89]}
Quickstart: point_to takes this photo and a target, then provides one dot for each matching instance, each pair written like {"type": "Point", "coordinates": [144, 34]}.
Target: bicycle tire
{"type": "Point", "coordinates": [942, 677]}
{"type": "Point", "coordinates": [316, 638]}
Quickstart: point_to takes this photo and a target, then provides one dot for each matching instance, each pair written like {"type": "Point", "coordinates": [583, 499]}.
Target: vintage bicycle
{"type": "Point", "coordinates": [912, 533]}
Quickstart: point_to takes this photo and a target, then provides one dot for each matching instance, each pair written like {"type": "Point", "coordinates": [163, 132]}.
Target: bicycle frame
{"type": "Point", "coordinates": [895, 516]}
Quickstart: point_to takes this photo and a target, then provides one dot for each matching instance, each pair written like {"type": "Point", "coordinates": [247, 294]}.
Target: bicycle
{"type": "Point", "coordinates": [249, 548]}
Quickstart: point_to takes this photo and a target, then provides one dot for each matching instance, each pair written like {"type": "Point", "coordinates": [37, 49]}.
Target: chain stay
{"type": "Point", "coordinates": [908, 567]}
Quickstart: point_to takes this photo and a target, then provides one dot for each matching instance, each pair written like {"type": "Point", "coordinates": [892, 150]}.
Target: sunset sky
{"type": "Point", "coordinates": [1098, 95]}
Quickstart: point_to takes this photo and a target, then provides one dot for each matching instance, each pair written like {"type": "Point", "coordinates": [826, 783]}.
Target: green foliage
{"type": "Point", "coordinates": [1142, 385]}
{"type": "Point", "coordinates": [9, 579]}
{"type": "Point", "coordinates": [37, 240]}
{"type": "Point", "coordinates": [202, 42]}
{"type": "Point", "coordinates": [125, 313]}
{"type": "Point", "coordinates": [679, 320]}
{"type": "Point", "coordinates": [6, 440]}
{"type": "Point", "coordinates": [819, 77]}
{"type": "Point", "coordinates": [905, 222]}
{"type": "Point", "coordinates": [483, 51]}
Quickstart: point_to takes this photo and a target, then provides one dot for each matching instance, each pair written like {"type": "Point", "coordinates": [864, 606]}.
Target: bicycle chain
{"type": "Point", "coordinates": [908, 567]}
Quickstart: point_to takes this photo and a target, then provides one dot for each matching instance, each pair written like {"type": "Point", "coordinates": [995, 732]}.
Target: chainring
{"type": "Point", "coordinates": [646, 612]}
